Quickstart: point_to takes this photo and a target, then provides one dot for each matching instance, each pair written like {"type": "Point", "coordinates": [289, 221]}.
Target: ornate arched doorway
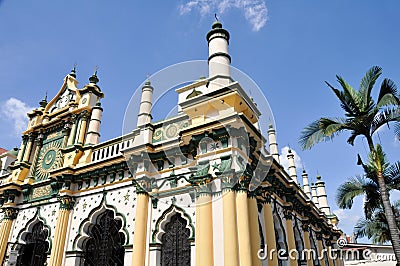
{"type": "Point", "coordinates": [104, 246]}
{"type": "Point", "coordinates": [175, 247]}
{"type": "Point", "coordinates": [34, 252]}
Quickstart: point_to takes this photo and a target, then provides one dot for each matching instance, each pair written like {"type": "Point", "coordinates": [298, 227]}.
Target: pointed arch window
{"type": "Point", "coordinates": [36, 248]}
{"type": "Point", "coordinates": [175, 247]}
{"type": "Point", "coordinates": [105, 243]}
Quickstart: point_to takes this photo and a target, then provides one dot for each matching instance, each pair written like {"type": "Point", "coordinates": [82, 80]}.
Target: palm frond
{"type": "Point", "coordinates": [353, 99]}
{"type": "Point", "coordinates": [350, 189]}
{"type": "Point", "coordinates": [323, 129]}
{"type": "Point", "coordinates": [387, 94]}
{"type": "Point", "coordinates": [393, 172]}
{"type": "Point", "coordinates": [384, 117]}
{"type": "Point", "coordinates": [366, 85]}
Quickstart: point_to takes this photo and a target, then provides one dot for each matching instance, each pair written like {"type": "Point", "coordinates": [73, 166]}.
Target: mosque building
{"type": "Point", "coordinates": [202, 188]}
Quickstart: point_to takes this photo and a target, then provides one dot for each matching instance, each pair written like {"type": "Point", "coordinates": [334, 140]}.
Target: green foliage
{"type": "Point", "coordinates": [376, 228]}
{"type": "Point", "coordinates": [363, 116]}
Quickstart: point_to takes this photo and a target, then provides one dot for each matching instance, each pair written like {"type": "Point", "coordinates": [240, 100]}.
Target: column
{"type": "Point", "coordinates": [82, 128]}
{"type": "Point", "coordinates": [243, 228]}
{"type": "Point", "coordinates": [307, 243]}
{"type": "Point", "coordinates": [231, 249]}
{"type": "Point", "coordinates": [10, 214]}
{"type": "Point", "coordinates": [66, 131]}
{"type": "Point", "coordinates": [290, 235]}
{"type": "Point", "coordinates": [140, 233]}
{"type": "Point", "coordinates": [329, 247]}
{"type": "Point", "coordinates": [204, 228]}
{"type": "Point", "coordinates": [39, 142]}
{"type": "Point", "coordinates": [71, 138]}
{"type": "Point", "coordinates": [270, 233]}
{"type": "Point", "coordinates": [22, 148]}
{"type": "Point", "coordinates": [28, 148]}
{"type": "Point", "coordinates": [58, 249]}
{"type": "Point", "coordinates": [320, 249]}
{"type": "Point", "coordinates": [254, 231]}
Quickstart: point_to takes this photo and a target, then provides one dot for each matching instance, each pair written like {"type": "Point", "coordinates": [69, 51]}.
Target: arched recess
{"type": "Point", "coordinates": [280, 236]}
{"type": "Point", "coordinates": [34, 242]}
{"type": "Point", "coordinates": [95, 216]}
{"type": "Point", "coordinates": [298, 238]}
{"type": "Point", "coordinates": [165, 218]}
{"type": "Point", "coordinates": [174, 238]}
{"type": "Point", "coordinates": [314, 247]}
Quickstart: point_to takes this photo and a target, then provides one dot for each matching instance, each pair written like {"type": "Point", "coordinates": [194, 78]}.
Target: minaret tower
{"type": "Point", "coordinates": [292, 166]}
{"type": "Point", "coordinates": [306, 185]}
{"type": "Point", "coordinates": [314, 194]}
{"type": "Point", "coordinates": [273, 146]}
{"type": "Point", "coordinates": [146, 104]}
{"type": "Point", "coordinates": [322, 197]}
{"type": "Point", "coordinates": [219, 60]}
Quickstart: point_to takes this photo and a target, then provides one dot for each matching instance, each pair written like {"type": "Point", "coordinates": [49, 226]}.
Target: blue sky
{"type": "Point", "coordinates": [289, 48]}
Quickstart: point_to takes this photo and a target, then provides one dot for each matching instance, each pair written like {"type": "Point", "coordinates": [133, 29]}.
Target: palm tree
{"type": "Point", "coordinates": [376, 228]}
{"type": "Point", "coordinates": [367, 184]}
{"type": "Point", "coordinates": [363, 117]}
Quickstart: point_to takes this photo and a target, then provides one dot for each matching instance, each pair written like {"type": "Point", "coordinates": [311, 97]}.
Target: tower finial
{"type": "Point", "coordinates": [43, 102]}
{"type": "Point", "coordinates": [73, 71]}
{"type": "Point", "coordinates": [216, 18]}
{"type": "Point", "coordinates": [94, 79]}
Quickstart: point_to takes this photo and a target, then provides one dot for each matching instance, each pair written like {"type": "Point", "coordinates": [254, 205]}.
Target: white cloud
{"type": "Point", "coordinates": [255, 11]}
{"type": "Point", "coordinates": [347, 219]}
{"type": "Point", "coordinates": [284, 160]}
{"type": "Point", "coordinates": [15, 111]}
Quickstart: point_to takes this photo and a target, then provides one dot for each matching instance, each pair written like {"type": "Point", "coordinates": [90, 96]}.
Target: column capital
{"type": "Point", "coordinates": [85, 115]}
{"type": "Point", "coordinates": [288, 212]}
{"type": "Point", "coordinates": [305, 225]}
{"type": "Point", "coordinates": [142, 185]}
{"type": "Point", "coordinates": [10, 213]}
{"type": "Point", "coordinates": [66, 202]}
{"type": "Point", "coordinates": [318, 235]}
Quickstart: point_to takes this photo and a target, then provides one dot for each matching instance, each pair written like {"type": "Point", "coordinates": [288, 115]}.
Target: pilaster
{"type": "Point", "coordinates": [10, 214]}
{"type": "Point", "coordinates": [58, 249]}
{"type": "Point", "coordinates": [288, 214]}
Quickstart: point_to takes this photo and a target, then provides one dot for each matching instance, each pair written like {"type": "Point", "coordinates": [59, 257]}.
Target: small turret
{"type": "Point", "coordinates": [93, 134]}
{"type": "Point", "coordinates": [322, 197]}
{"type": "Point", "coordinates": [273, 146]}
{"type": "Point", "coordinates": [314, 194]}
{"type": "Point", "coordinates": [292, 166]}
{"type": "Point", "coordinates": [306, 186]}
{"type": "Point", "coordinates": [146, 104]}
{"type": "Point", "coordinates": [219, 60]}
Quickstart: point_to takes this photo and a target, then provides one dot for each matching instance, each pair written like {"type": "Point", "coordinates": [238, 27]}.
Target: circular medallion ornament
{"type": "Point", "coordinates": [158, 134]}
{"type": "Point", "coordinates": [171, 131]}
{"type": "Point", "coordinates": [50, 158]}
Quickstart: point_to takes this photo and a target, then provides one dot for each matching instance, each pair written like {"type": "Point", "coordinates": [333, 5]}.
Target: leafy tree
{"type": "Point", "coordinates": [363, 117]}
{"type": "Point", "coordinates": [376, 227]}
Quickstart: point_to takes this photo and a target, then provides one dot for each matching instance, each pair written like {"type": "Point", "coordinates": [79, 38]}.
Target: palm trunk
{"type": "Point", "coordinates": [394, 231]}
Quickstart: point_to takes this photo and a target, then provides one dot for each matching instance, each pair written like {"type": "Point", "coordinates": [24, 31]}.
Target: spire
{"type": "Point", "coordinates": [43, 102]}
{"type": "Point", "coordinates": [322, 197]}
{"type": "Point", "coordinates": [292, 166]}
{"type": "Point", "coordinates": [273, 146]}
{"type": "Point", "coordinates": [314, 194]}
{"type": "Point", "coordinates": [94, 79]}
{"type": "Point", "coordinates": [219, 59]}
{"type": "Point", "coordinates": [146, 104]}
{"type": "Point", "coordinates": [73, 71]}
{"type": "Point", "coordinates": [306, 186]}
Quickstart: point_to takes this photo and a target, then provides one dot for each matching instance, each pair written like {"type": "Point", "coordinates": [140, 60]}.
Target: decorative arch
{"type": "Point", "coordinates": [165, 218]}
{"type": "Point", "coordinates": [314, 246]}
{"type": "Point", "coordinates": [280, 234]}
{"type": "Point", "coordinates": [298, 238]}
{"type": "Point", "coordinates": [37, 218]}
{"type": "Point", "coordinates": [87, 223]}
{"type": "Point", "coordinates": [35, 242]}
